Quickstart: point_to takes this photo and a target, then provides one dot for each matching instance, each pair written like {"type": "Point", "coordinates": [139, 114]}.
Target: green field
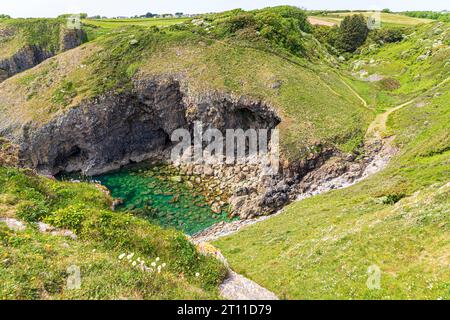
{"type": "Point", "coordinates": [146, 22]}
{"type": "Point", "coordinates": [387, 19]}
{"type": "Point", "coordinates": [99, 27]}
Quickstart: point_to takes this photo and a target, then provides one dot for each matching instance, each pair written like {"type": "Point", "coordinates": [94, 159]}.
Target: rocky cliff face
{"type": "Point", "coordinates": [111, 131]}
{"type": "Point", "coordinates": [24, 59]}
{"type": "Point", "coordinates": [31, 55]}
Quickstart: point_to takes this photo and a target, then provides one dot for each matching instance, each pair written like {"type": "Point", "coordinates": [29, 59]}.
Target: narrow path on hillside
{"type": "Point", "coordinates": [379, 124]}
{"type": "Point", "coordinates": [238, 287]}
{"type": "Point", "coordinates": [364, 102]}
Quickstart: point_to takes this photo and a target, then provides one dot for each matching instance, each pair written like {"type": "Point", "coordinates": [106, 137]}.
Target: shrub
{"type": "Point", "coordinates": [389, 84]}
{"type": "Point", "coordinates": [353, 32]}
{"type": "Point", "coordinates": [294, 13]}
{"type": "Point", "coordinates": [281, 27]}
{"type": "Point", "coordinates": [386, 35]}
{"type": "Point", "coordinates": [32, 211]}
{"type": "Point", "coordinates": [392, 198]}
{"type": "Point", "coordinates": [71, 218]}
{"type": "Point", "coordinates": [326, 35]}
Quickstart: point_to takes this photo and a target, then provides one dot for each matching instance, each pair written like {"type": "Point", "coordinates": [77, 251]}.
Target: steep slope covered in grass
{"type": "Point", "coordinates": [397, 220]}
{"type": "Point", "coordinates": [35, 265]}
{"type": "Point", "coordinates": [405, 69]}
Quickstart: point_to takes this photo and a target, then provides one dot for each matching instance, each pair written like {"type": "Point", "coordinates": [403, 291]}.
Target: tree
{"type": "Point", "coordinates": [386, 10]}
{"type": "Point", "coordinates": [4, 16]}
{"type": "Point", "coordinates": [178, 14]}
{"type": "Point", "coordinates": [352, 33]}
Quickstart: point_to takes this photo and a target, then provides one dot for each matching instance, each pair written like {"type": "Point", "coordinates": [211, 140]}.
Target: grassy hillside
{"type": "Point", "coordinates": [35, 265]}
{"type": "Point", "coordinates": [18, 33]}
{"type": "Point", "coordinates": [116, 23]}
{"type": "Point", "coordinates": [387, 19]}
{"type": "Point", "coordinates": [98, 27]}
{"type": "Point", "coordinates": [409, 68]}
{"type": "Point", "coordinates": [397, 220]}
{"type": "Point", "coordinates": [243, 53]}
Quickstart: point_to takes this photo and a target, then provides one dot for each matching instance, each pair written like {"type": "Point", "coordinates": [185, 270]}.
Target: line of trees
{"type": "Point", "coordinates": [147, 15]}
{"type": "Point", "coordinates": [441, 16]}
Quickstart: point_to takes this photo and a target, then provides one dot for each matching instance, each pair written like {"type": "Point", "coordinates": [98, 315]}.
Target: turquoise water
{"type": "Point", "coordinates": [163, 197]}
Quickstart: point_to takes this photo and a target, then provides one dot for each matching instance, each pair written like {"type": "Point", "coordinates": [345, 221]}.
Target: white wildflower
{"type": "Point", "coordinates": [153, 264]}
{"type": "Point", "coordinates": [122, 256]}
{"type": "Point", "coordinates": [197, 274]}
{"type": "Point", "coordinates": [159, 269]}
{"type": "Point", "coordinates": [157, 259]}
{"type": "Point", "coordinates": [130, 256]}
{"type": "Point", "coordinates": [164, 265]}
{"type": "Point", "coordinates": [134, 263]}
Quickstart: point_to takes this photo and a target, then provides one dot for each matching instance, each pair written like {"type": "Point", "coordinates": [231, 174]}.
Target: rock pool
{"type": "Point", "coordinates": [165, 196]}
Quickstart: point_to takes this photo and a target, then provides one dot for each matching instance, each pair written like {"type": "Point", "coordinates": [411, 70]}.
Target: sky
{"type": "Point", "coordinates": [112, 8]}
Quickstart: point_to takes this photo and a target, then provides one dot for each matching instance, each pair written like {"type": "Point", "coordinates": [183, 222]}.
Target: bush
{"type": "Point", "coordinates": [297, 15]}
{"type": "Point", "coordinates": [392, 198]}
{"type": "Point", "coordinates": [32, 211]}
{"type": "Point", "coordinates": [389, 84]}
{"type": "Point", "coordinates": [281, 26]}
{"type": "Point", "coordinates": [353, 33]}
{"type": "Point", "coordinates": [327, 35]}
{"type": "Point", "coordinates": [386, 35]}
{"type": "Point", "coordinates": [71, 218]}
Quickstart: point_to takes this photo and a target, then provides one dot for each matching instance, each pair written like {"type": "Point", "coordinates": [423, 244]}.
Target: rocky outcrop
{"type": "Point", "coordinates": [32, 55]}
{"type": "Point", "coordinates": [337, 172]}
{"type": "Point", "coordinates": [24, 59]}
{"type": "Point", "coordinates": [114, 130]}
{"type": "Point", "coordinates": [71, 38]}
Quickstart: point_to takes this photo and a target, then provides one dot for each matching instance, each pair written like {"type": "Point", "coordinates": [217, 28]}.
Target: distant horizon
{"type": "Point", "coordinates": [116, 8]}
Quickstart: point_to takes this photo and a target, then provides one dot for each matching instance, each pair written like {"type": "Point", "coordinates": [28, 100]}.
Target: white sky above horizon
{"type": "Point", "coordinates": [112, 8]}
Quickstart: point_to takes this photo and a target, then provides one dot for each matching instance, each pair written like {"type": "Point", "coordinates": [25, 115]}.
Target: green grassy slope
{"type": "Point", "coordinates": [397, 220]}
{"type": "Point", "coordinates": [34, 265]}
{"type": "Point", "coordinates": [18, 33]}
{"type": "Point", "coordinates": [410, 67]}
{"type": "Point", "coordinates": [115, 23]}
{"type": "Point", "coordinates": [95, 28]}
{"type": "Point", "coordinates": [210, 56]}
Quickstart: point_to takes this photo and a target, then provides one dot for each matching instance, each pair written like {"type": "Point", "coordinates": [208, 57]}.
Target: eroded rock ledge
{"type": "Point", "coordinates": [110, 131]}
{"type": "Point", "coordinates": [32, 55]}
